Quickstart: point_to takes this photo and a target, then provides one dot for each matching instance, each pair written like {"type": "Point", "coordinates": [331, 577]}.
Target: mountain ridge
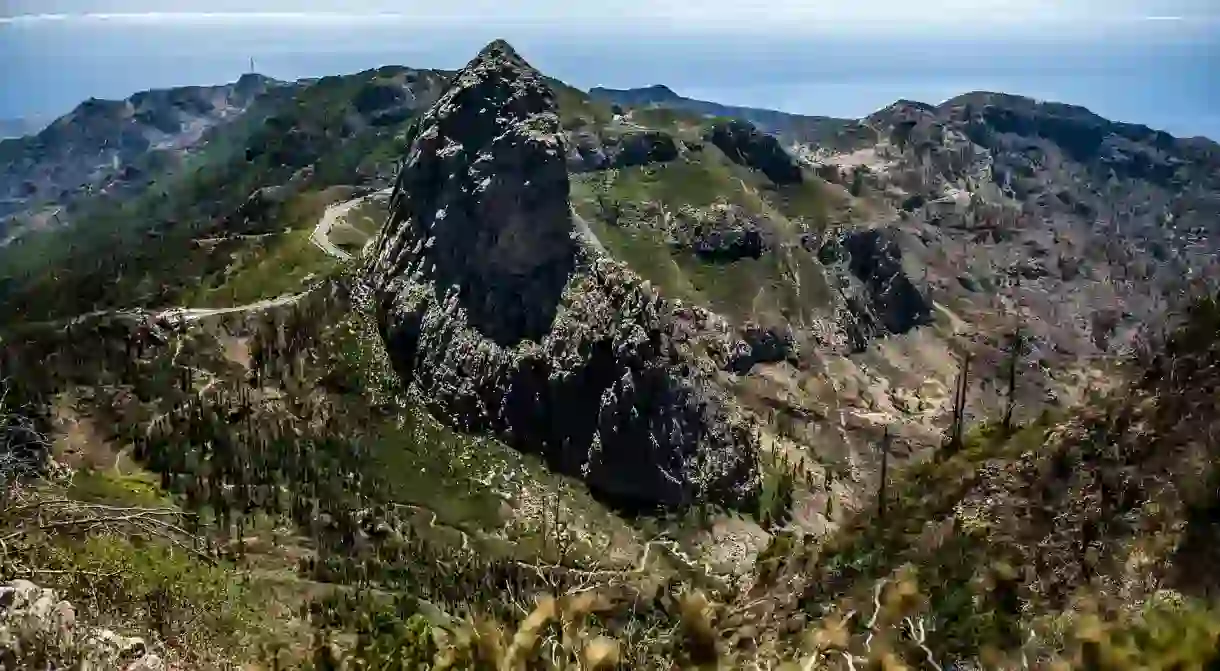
{"type": "Point", "coordinates": [810, 127]}
{"type": "Point", "coordinates": [742, 343]}
{"type": "Point", "coordinates": [796, 126]}
{"type": "Point", "coordinates": [101, 142]}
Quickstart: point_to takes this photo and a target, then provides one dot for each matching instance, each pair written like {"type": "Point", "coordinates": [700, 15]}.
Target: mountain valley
{"type": "Point", "coordinates": [427, 369]}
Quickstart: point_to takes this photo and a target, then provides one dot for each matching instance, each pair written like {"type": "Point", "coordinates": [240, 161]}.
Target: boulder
{"type": "Point", "coordinates": [492, 307]}
{"type": "Point", "coordinates": [760, 344]}
{"type": "Point", "coordinates": [588, 151]}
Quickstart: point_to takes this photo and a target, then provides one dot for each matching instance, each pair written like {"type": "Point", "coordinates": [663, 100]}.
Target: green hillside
{"type": "Point", "coordinates": [245, 481]}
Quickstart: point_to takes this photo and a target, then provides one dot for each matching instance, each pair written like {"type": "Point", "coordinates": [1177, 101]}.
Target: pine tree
{"type": "Point", "coordinates": [1011, 399]}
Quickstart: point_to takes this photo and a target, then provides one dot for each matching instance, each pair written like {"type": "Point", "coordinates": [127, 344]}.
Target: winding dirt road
{"type": "Point", "coordinates": [320, 237]}
{"type": "Point", "coordinates": [335, 214]}
{"type": "Point", "coordinates": [332, 216]}
{"type": "Point", "coordinates": [193, 314]}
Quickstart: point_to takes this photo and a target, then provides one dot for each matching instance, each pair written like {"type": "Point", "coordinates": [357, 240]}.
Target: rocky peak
{"type": "Point", "coordinates": [485, 187]}
{"type": "Point", "coordinates": [500, 49]}
{"type": "Point", "coordinates": [490, 308]}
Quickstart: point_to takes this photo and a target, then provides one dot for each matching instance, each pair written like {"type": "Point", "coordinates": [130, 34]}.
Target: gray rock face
{"type": "Point", "coordinates": [720, 233]}
{"type": "Point", "coordinates": [642, 147]}
{"type": "Point", "coordinates": [586, 152]}
{"type": "Point", "coordinates": [761, 345]}
{"type": "Point", "coordinates": [494, 311]}
{"type": "Point", "coordinates": [36, 627]}
{"type": "Point", "coordinates": [589, 151]}
{"type": "Point", "coordinates": [877, 290]}
{"type": "Point", "coordinates": [746, 145]}
{"type": "Point", "coordinates": [485, 188]}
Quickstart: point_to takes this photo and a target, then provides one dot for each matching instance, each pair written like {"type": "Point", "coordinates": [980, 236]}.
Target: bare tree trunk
{"type": "Point", "coordinates": [1013, 357]}
{"type": "Point", "coordinates": [959, 407]}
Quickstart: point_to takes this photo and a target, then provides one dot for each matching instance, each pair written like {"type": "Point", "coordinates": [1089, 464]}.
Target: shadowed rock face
{"type": "Point", "coordinates": [745, 145]}
{"type": "Point", "coordinates": [506, 324]}
{"type": "Point", "coordinates": [488, 195]}
{"type": "Point", "coordinates": [877, 291]}
{"type": "Point", "coordinates": [590, 151]}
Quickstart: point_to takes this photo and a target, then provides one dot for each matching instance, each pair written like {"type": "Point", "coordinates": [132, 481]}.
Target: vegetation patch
{"type": "Point", "coordinates": [269, 268]}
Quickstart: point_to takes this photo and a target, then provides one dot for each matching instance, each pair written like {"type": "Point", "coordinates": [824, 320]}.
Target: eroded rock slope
{"type": "Point", "coordinates": [505, 321]}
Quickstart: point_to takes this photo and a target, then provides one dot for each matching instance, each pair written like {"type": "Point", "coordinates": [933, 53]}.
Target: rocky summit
{"type": "Point", "coordinates": [927, 389]}
{"type": "Point", "coordinates": [498, 310]}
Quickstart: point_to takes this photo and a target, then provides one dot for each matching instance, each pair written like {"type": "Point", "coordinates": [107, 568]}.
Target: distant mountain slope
{"type": "Point", "coordinates": [1044, 217]}
{"type": "Point", "coordinates": [943, 229]}
{"type": "Point", "coordinates": [791, 126]}
{"type": "Point", "coordinates": [92, 145]}
{"type": "Point", "coordinates": [132, 240]}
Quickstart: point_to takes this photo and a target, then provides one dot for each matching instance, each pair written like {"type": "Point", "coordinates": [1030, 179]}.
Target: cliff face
{"type": "Point", "coordinates": [505, 322]}
{"type": "Point", "coordinates": [486, 186]}
{"type": "Point", "coordinates": [1082, 225]}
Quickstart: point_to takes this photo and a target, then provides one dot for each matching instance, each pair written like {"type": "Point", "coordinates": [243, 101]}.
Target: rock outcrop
{"type": "Point", "coordinates": [588, 151]}
{"type": "Point", "coordinates": [761, 345]}
{"type": "Point", "coordinates": [37, 627]}
{"type": "Point", "coordinates": [746, 145]}
{"type": "Point", "coordinates": [877, 291]}
{"type": "Point", "coordinates": [719, 233]}
{"type": "Point", "coordinates": [641, 147]}
{"type": "Point", "coordinates": [492, 308]}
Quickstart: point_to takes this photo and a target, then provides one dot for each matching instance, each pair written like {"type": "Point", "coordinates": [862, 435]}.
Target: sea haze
{"type": "Point", "coordinates": [1161, 75]}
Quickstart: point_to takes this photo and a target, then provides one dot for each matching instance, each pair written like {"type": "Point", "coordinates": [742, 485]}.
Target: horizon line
{"type": "Point", "coordinates": [323, 16]}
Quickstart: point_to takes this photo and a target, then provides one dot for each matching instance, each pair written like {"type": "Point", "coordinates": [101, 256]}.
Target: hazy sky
{"type": "Point", "coordinates": [790, 15]}
{"type": "Point", "coordinates": [1149, 61]}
